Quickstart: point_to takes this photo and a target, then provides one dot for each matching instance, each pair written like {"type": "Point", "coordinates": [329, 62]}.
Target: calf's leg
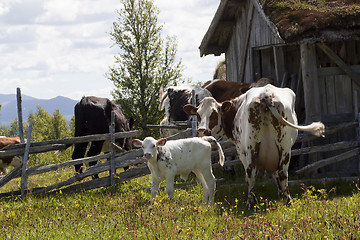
{"type": "Point", "coordinates": [170, 185]}
{"type": "Point", "coordinates": [208, 181]}
{"type": "Point", "coordinates": [154, 187]}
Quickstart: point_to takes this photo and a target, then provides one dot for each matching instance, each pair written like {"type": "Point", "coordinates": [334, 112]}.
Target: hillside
{"type": "Point", "coordinates": [8, 104]}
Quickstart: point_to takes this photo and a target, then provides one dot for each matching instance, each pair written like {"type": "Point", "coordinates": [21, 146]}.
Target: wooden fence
{"type": "Point", "coordinates": [134, 158]}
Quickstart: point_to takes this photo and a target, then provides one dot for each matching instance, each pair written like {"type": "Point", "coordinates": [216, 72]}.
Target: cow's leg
{"type": "Point", "coordinates": [79, 152]}
{"type": "Point", "coordinates": [94, 150]}
{"type": "Point", "coordinates": [281, 178]}
{"type": "Point", "coordinates": [250, 180]}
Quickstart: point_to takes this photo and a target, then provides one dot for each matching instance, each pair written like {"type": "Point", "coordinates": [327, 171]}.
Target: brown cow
{"type": "Point", "coordinates": [222, 90]}
{"type": "Point", "coordinates": [9, 161]}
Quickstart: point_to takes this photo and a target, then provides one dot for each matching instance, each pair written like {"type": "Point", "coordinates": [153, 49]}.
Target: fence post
{"type": "Point", "coordinates": [112, 154]}
{"type": "Point", "coordinates": [193, 118]}
{"type": "Point", "coordinates": [24, 177]}
{"type": "Point", "coordinates": [20, 119]}
{"type": "Point", "coordinates": [355, 104]}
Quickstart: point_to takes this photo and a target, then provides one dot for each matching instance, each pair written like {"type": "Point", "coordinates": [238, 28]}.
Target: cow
{"type": "Point", "coordinates": [180, 157]}
{"type": "Point", "coordinates": [263, 126]}
{"type": "Point", "coordinates": [222, 90]}
{"type": "Point", "coordinates": [93, 116]}
{"type": "Point", "coordinates": [9, 161]}
{"type": "Point", "coordinates": [173, 100]}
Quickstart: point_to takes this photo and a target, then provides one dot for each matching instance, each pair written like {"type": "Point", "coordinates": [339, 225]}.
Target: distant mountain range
{"type": "Point", "coordinates": [8, 111]}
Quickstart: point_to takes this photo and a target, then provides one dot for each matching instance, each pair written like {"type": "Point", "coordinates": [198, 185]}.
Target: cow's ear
{"type": "Point", "coordinates": [190, 109]}
{"type": "Point", "coordinates": [161, 142]}
{"type": "Point", "coordinates": [225, 106]}
{"type": "Point", "coordinates": [137, 143]}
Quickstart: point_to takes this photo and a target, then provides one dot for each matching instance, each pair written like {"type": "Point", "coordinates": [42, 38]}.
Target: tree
{"type": "Point", "coordinates": [145, 63]}
{"type": "Point", "coordinates": [47, 127]}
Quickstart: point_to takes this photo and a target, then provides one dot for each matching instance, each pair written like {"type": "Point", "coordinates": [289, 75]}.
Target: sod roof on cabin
{"type": "Point", "coordinates": [327, 19]}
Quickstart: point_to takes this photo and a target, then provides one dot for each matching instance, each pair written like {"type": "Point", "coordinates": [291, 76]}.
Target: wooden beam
{"type": "Point", "coordinates": [310, 82]}
{"type": "Point", "coordinates": [270, 24]}
{"type": "Point", "coordinates": [204, 46]}
{"type": "Point", "coordinates": [246, 42]}
{"type": "Point", "coordinates": [325, 148]}
{"type": "Point", "coordinates": [328, 161]}
{"type": "Point", "coordinates": [24, 177]}
{"type": "Point", "coordinates": [224, 24]}
{"type": "Point", "coordinates": [59, 144]}
{"type": "Point", "coordinates": [336, 59]}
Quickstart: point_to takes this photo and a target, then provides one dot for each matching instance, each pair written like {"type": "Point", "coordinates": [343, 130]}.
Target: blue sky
{"type": "Point", "coordinates": [62, 47]}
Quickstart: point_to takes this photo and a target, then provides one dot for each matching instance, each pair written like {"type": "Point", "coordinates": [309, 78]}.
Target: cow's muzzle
{"type": "Point", "coordinates": [201, 132]}
{"type": "Point", "coordinates": [148, 155]}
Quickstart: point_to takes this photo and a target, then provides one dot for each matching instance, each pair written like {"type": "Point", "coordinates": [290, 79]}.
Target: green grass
{"type": "Point", "coordinates": [329, 211]}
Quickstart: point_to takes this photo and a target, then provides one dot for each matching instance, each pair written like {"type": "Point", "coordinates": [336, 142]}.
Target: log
{"type": "Point", "coordinates": [42, 169]}
{"type": "Point", "coordinates": [24, 177]}
{"type": "Point", "coordinates": [185, 134]}
{"type": "Point", "coordinates": [53, 167]}
{"type": "Point", "coordinates": [16, 172]}
{"type": "Point", "coordinates": [96, 169]}
{"type": "Point", "coordinates": [112, 151]}
{"type": "Point", "coordinates": [322, 163]}
{"type": "Point", "coordinates": [74, 140]}
{"type": "Point", "coordinates": [20, 118]}
{"type": "Point", "coordinates": [35, 149]}
{"type": "Point", "coordinates": [325, 148]}
{"type": "Point", "coordinates": [336, 59]}
{"type": "Point", "coordinates": [331, 130]}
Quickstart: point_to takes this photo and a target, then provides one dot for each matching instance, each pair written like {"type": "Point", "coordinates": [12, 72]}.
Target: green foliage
{"type": "Point", "coordinates": [313, 214]}
{"type": "Point", "coordinates": [145, 63]}
{"type": "Point", "coordinates": [48, 127]}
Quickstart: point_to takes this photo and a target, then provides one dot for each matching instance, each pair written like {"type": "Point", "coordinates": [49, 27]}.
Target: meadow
{"type": "Point", "coordinates": [325, 211]}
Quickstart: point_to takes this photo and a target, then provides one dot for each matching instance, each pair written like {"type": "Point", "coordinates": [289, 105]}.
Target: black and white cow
{"type": "Point", "coordinates": [173, 100]}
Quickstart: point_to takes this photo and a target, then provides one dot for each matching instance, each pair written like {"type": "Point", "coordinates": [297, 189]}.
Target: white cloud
{"type": "Point", "coordinates": [63, 47]}
{"type": "Point", "coordinates": [3, 8]}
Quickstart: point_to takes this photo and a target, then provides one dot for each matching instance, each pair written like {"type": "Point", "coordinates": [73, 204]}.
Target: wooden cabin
{"type": "Point", "coordinates": [313, 47]}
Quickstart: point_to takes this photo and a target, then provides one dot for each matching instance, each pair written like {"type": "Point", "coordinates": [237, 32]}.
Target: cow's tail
{"type": "Point", "coordinates": [218, 146]}
{"type": "Point", "coordinates": [316, 128]}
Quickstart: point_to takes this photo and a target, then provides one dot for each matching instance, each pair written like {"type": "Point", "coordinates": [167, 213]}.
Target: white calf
{"type": "Point", "coordinates": [180, 157]}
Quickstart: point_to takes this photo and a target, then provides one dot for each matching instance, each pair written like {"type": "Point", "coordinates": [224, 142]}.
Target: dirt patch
{"type": "Point", "coordinates": [299, 19]}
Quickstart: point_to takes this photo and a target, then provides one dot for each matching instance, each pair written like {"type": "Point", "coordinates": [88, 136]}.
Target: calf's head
{"type": "Point", "coordinates": [209, 116]}
{"type": "Point", "coordinates": [149, 146]}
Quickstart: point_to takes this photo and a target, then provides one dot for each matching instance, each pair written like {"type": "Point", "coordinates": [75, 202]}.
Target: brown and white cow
{"type": "Point", "coordinates": [222, 90]}
{"type": "Point", "coordinates": [262, 124]}
{"type": "Point", "coordinates": [9, 161]}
